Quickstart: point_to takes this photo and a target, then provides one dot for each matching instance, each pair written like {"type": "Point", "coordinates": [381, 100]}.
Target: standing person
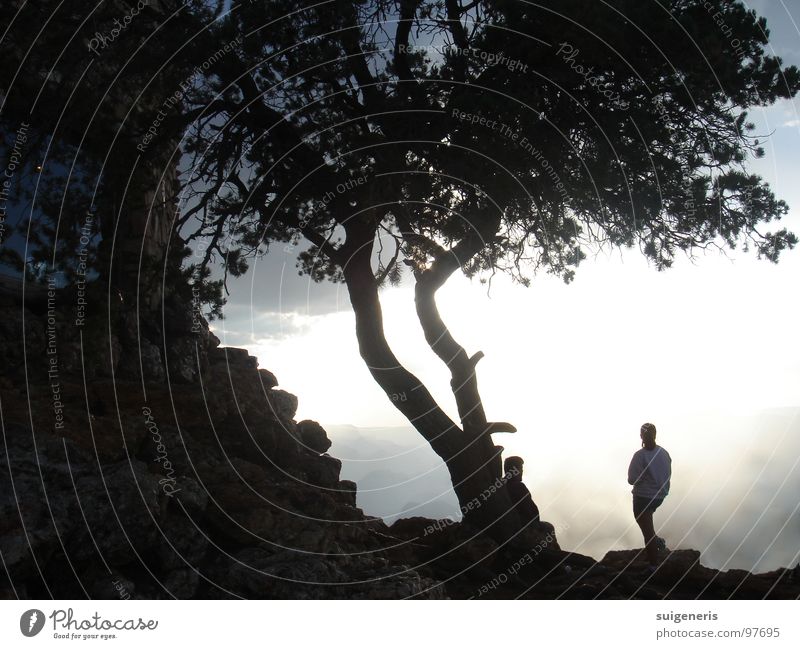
{"type": "Point", "coordinates": [650, 472]}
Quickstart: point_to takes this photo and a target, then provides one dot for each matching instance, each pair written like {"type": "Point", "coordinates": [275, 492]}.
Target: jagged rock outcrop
{"type": "Point", "coordinates": [204, 486]}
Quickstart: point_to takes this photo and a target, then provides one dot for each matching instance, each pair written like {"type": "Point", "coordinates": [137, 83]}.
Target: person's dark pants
{"type": "Point", "coordinates": [642, 504]}
{"type": "Point", "coordinates": [643, 509]}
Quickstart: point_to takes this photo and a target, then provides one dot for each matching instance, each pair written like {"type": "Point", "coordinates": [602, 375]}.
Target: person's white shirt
{"type": "Point", "coordinates": [650, 472]}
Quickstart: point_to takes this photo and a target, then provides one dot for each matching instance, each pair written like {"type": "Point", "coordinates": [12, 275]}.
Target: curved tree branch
{"type": "Point", "coordinates": [463, 380]}
{"type": "Point", "coordinates": [473, 462]}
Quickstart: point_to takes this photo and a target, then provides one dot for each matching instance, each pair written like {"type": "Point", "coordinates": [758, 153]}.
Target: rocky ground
{"type": "Point", "coordinates": [133, 473]}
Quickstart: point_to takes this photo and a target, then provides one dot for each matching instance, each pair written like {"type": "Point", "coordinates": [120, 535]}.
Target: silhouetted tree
{"type": "Point", "coordinates": [392, 138]}
{"type": "Point", "coordinates": [402, 137]}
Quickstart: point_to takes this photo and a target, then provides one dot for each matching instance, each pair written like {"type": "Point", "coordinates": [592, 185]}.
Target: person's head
{"type": "Point", "coordinates": [648, 435]}
{"type": "Point", "coordinates": [513, 466]}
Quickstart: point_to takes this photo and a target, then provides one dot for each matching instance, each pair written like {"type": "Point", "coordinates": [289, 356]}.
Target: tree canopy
{"type": "Point", "coordinates": [514, 134]}
{"type": "Point", "coordinates": [421, 138]}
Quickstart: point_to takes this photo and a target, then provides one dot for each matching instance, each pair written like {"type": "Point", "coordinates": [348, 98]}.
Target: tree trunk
{"type": "Point", "coordinates": [470, 455]}
{"type": "Point", "coordinates": [139, 213]}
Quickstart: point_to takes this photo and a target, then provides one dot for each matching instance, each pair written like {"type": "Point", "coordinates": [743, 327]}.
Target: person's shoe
{"type": "Point", "coordinates": [661, 544]}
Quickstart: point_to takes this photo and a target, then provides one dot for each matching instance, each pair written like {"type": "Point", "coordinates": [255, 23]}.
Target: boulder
{"type": "Point", "coordinates": [313, 436]}
{"type": "Point", "coordinates": [282, 404]}
{"type": "Point", "coordinates": [268, 380]}
{"type": "Point", "coordinates": [234, 357]}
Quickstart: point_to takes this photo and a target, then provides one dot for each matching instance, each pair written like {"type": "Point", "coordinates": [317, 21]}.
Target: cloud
{"type": "Point", "coordinates": [272, 285]}
{"type": "Point", "coordinates": [244, 326]}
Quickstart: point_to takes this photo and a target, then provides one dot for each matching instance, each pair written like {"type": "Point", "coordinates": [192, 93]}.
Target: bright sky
{"type": "Point", "coordinates": [718, 334]}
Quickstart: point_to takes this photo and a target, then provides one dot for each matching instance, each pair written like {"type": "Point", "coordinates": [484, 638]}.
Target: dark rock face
{"type": "Point", "coordinates": [187, 476]}
{"type": "Point", "coordinates": [201, 486]}
{"type": "Point", "coordinates": [681, 576]}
